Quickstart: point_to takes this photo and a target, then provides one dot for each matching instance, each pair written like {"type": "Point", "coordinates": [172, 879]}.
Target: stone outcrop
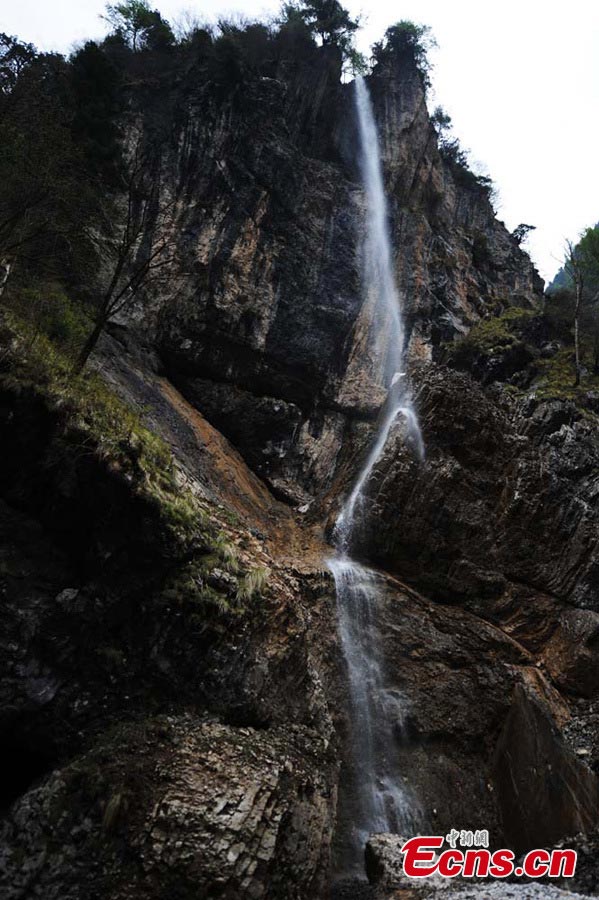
{"type": "Point", "coordinates": [503, 504]}
{"type": "Point", "coordinates": [191, 809]}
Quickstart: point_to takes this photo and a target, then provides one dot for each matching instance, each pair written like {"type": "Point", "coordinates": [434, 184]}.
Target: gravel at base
{"type": "Point", "coordinates": [355, 889]}
{"type": "Point", "coordinates": [510, 892]}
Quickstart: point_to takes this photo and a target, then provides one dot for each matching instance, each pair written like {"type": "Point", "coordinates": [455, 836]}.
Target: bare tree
{"type": "Point", "coordinates": [186, 23]}
{"type": "Point", "coordinates": [574, 271]}
{"type": "Point", "coordinates": [138, 248]}
{"type": "Point", "coordinates": [581, 267]}
{"type": "Point", "coordinates": [5, 267]}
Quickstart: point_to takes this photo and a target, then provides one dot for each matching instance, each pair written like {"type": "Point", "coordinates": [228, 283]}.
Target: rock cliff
{"type": "Point", "coordinates": [267, 340]}
{"type": "Point", "coordinates": [173, 707]}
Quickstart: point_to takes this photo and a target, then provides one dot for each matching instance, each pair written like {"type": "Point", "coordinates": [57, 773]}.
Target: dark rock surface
{"type": "Point", "coordinates": [194, 809]}
{"type": "Point", "coordinates": [545, 791]}
{"type": "Point", "coordinates": [507, 486]}
{"type": "Point", "coordinates": [129, 704]}
{"type": "Point", "coordinates": [477, 724]}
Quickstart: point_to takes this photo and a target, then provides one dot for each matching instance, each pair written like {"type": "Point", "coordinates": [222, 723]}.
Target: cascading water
{"type": "Point", "coordinates": [380, 802]}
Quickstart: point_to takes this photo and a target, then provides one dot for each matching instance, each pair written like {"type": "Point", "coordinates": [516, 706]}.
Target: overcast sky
{"type": "Point", "coordinates": [520, 78]}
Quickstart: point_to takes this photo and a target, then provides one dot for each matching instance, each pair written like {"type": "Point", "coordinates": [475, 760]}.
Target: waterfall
{"type": "Point", "coordinates": [387, 330]}
{"type": "Point", "coordinates": [380, 802]}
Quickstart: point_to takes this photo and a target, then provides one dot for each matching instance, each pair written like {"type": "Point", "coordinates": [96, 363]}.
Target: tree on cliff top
{"type": "Point", "coordinates": [409, 41]}
{"type": "Point", "coordinates": [139, 26]}
{"type": "Point", "coordinates": [15, 56]}
{"type": "Point", "coordinates": [46, 195]}
{"type": "Point", "coordinates": [325, 18]}
{"type": "Point", "coordinates": [330, 22]}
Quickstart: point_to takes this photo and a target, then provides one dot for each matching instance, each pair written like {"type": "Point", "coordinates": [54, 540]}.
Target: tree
{"type": "Point", "coordinates": [327, 19]}
{"type": "Point", "coordinates": [442, 123]}
{"type": "Point", "coordinates": [409, 41]}
{"type": "Point", "coordinates": [521, 232]}
{"type": "Point", "coordinates": [575, 273]}
{"type": "Point", "coordinates": [44, 195]}
{"type": "Point", "coordinates": [581, 268]}
{"type": "Point", "coordinates": [14, 58]}
{"type": "Point", "coordinates": [96, 87]}
{"type": "Point", "coordinates": [137, 248]}
{"type": "Point", "coordinates": [187, 25]}
{"type": "Point", "coordinates": [588, 251]}
{"type": "Point", "coordinates": [140, 27]}
{"type": "Point", "coordinates": [456, 157]}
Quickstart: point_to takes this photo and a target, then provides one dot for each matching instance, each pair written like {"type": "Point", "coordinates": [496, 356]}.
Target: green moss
{"type": "Point", "coordinates": [193, 589]}
{"type": "Point", "coordinates": [498, 332]}
{"type": "Point", "coordinates": [513, 390]}
{"type": "Point", "coordinates": [188, 590]}
{"type": "Point", "coordinates": [97, 422]}
{"type": "Point", "coordinates": [555, 380]}
{"type": "Point", "coordinates": [47, 310]}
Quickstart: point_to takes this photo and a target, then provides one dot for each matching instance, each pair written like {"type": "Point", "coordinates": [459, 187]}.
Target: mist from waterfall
{"type": "Point", "coordinates": [377, 715]}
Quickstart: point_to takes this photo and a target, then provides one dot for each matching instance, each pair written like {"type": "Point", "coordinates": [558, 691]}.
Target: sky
{"type": "Point", "coordinates": [519, 78]}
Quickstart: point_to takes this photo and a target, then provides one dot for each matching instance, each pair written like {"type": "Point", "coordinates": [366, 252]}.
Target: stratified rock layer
{"type": "Point", "coordinates": [192, 809]}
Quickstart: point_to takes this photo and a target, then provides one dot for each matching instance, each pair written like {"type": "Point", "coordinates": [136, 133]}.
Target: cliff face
{"type": "Point", "coordinates": [455, 261]}
{"type": "Point", "coordinates": [267, 338]}
{"type": "Point", "coordinates": [166, 693]}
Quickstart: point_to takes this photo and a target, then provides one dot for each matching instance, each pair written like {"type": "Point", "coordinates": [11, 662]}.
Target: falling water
{"type": "Point", "coordinates": [380, 802]}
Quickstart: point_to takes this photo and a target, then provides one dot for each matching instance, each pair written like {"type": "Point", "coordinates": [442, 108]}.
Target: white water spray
{"type": "Point", "coordinates": [376, 714]}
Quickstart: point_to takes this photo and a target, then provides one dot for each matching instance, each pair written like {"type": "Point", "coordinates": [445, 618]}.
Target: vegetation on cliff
{"type": "Point", "coordinates": [82, 142]}
{"type": "Point", "coordinates": [552, 351]}
{"type": "Point", "coordinates": [408, 41]}
{"type": "Point", "coordinates": [94, 421]}
{"type": "Point", "coordinates": [457, 158]}
{"type": "Point", "coordinates": [532, 352]}
{"type": "Point", "coordinates": [89, 422]}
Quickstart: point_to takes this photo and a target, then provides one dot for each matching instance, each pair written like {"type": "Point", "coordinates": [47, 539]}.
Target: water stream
{"type": "Point", "coordinates": [380, 802]}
